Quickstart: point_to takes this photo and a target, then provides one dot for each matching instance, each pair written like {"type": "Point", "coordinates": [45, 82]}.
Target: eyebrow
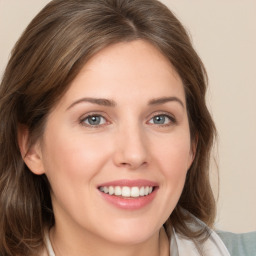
{"type": "Point", "coordinates": [163, 100]}
{"type": "Point", "coordinates": [111, 103]}
{"type": "Point", "coordinates": [98, 101]}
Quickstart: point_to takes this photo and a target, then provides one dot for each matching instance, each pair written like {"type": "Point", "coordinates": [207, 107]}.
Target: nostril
{"type": "Point", "coordinates": [133, 164]}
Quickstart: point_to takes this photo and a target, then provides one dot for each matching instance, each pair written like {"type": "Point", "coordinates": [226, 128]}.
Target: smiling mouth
{"type": "Point", "coordinates": [127, 192]}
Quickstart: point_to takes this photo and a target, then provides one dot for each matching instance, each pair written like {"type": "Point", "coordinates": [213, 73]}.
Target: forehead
{"type": "Point", "coordinates": [127, 70]}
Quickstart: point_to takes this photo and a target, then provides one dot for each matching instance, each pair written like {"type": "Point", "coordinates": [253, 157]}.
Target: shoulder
{"type": "Point", "coordinates": [239, 244]}
{"type": "Point", "coordinates": [212, 246]}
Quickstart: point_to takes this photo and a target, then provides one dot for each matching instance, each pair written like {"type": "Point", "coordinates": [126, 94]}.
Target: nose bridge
{"type": "Point", "coordinates": [131, 145]}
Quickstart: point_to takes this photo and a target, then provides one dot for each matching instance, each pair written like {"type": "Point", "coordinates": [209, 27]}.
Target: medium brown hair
{"type": "Point", "coordinates": [47, 57]}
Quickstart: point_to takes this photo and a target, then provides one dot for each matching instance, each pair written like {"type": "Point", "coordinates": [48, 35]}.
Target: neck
{"type": "Point", "coordinates": [65, 244]}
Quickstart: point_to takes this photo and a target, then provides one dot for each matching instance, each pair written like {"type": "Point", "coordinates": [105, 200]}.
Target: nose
{"type": "Point", "coordinates": [131, 149]}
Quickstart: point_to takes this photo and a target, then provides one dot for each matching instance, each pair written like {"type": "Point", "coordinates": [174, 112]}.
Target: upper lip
{"type": "Point", "coordinates": [129, 183]}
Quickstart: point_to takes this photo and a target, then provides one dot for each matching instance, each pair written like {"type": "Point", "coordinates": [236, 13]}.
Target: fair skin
{"type": "Point", "coordinates": [137, 135]}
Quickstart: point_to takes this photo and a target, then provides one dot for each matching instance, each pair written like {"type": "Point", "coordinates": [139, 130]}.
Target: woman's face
{"type": "Point", "coordinates": [116, 148]}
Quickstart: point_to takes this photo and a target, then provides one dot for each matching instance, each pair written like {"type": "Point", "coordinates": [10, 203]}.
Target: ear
{"type": "Point", "coordinates": [193, 149]}
{"type": "Point", "coordinates": [31, 154]}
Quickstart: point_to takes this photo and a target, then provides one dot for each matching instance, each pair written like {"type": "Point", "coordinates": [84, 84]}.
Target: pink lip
{"type": "Point", "coordinates": [130, 203]}
{"type": "Point", "coordinates": [129, 183]}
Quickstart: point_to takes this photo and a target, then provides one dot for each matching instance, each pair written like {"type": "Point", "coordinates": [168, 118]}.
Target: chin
{"type": "Point", "coordinates": [128, 233]}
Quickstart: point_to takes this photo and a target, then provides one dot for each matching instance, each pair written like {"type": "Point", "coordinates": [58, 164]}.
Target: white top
{"type": "Point", "coordinates": [213, 246]}
{"type": "Point", "coordinates": [180, 246]}
{"type": "Point", "coordinates": [49, 245]}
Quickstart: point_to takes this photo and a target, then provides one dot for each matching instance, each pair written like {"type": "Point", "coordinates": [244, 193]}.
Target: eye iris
{"type": "Point", "coordinates": [159, 119]}
{"type": "Point", "coordinates": [94, 120]}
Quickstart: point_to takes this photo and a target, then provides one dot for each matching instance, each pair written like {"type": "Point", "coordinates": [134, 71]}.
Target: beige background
{"type": "Point", "coordinates": [224, 34]}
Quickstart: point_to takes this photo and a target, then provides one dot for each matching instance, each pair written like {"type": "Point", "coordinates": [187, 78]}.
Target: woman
{"type": "Point", "coordinates": [105, 135]}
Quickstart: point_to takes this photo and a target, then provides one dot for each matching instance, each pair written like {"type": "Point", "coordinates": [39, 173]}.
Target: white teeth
{"type": "Point", "coordinates": [118, 191]}
{"type": "Point", "coordinates": [142, 191]}
{"type": "Point", "coordinates": [126, 191]}
{"type": "Point", "coordinates": [146, 190]}
{"type": "Point", "coordinates": [135, 192]}
{"type": "Point", "coordinates": [111, 190]}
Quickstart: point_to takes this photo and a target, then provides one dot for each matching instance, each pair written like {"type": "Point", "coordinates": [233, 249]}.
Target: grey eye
{"type": "Point", "coordinates": [94, 120]}
{"type": "Point", "coordinates": [161, 119]}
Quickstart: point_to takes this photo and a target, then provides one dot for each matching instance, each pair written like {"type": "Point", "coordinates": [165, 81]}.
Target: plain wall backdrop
{"type": "Point", "coordinates": [224, 35]}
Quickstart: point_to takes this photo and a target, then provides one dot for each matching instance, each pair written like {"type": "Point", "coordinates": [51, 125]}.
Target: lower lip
{"type": "Point", "coordinates": [131, 203]}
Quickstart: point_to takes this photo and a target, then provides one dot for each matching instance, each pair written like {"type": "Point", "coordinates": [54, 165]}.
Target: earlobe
{"type": "Point", "coordinates": [31, 154]}
{"type": "Point", "coordinates": [193, 149]}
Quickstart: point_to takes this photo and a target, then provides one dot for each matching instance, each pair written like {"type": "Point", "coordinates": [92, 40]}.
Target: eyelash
{"type": "Point", "coordinates": [171, 118]}
{"type": "Point", "coordinates": [82, 121]}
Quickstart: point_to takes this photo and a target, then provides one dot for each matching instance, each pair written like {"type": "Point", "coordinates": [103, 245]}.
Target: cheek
{"type": "Point", "coordinates": [172, 159]}
{"type": "Point", "coordinates": [175, 158]}
{"type": "Point", "coordinates": [71, 163]}
{"type": "Point", "coordinates": [72, 160]}
{"type": "Point", "coordinates": [174, 168]}
{"type": "Point", "coordinates": [175, 154]}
